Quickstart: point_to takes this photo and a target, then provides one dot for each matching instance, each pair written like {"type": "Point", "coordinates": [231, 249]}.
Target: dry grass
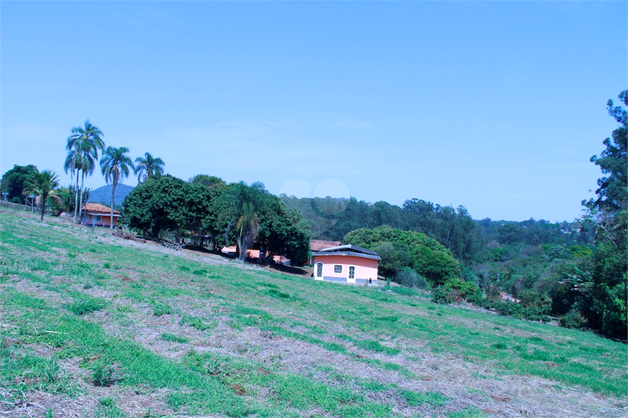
{"type": "Point", "coordinates": [255, 340]}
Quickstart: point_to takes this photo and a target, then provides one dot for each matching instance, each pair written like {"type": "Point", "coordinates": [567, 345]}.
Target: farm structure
{"type": "Point", "coordinates": [95, 214]}
{"type": "Point", "coordinates": [346, 264]}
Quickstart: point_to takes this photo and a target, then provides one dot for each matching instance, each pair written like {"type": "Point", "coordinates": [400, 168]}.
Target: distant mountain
{"type": "Point", "coordinates": [102, 194]}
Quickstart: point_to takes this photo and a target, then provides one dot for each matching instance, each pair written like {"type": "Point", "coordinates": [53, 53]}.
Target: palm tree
{"type": "Point", "coordinates": [148, 167]}
{"type": "Point", "coordinates": [43, 185]}
{"type": "Point", "coordinates": [115, 165]}
{"type": "Point", "coordinates": [247, 226]}
{"type": "Point", "coordinates": [83, 146]}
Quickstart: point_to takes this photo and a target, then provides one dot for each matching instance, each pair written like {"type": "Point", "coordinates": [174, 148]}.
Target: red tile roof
{"type": "Point", "coordinates": [318, 244]}
{"type": "Point", "coordinates": [98, 208]}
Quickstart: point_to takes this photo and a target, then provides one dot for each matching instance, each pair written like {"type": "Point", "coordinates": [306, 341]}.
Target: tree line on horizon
{"type": "Point", "coordinates": [576, 271]}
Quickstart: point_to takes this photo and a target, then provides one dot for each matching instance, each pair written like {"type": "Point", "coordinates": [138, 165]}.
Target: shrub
{"type": "Point", "coordinates": [410, 278]}
{"type": "Point", "coordinates": [465, 289]}
{"type": "Point", "coordinates": [104, 375]}
{"type": "Point", "coordinates": [573, 319]}
{"type": "Point", "coordinates": [443, 295]}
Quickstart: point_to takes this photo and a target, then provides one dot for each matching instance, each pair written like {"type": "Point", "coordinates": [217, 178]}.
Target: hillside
{"type": "Point", "coordinates": [96, 326]}
{"type": "Point", "coordinates": [103, 194]}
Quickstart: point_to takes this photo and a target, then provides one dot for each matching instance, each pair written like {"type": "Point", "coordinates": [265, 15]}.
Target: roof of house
{"type": "Point", "coordinates": [319, 244]}
{"type": "Point", "coordinates": [98, 208]}
{"type": "Point", "coordinates": [348, 249]}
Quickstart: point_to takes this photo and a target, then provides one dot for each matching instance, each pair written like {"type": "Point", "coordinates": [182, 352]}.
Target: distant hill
{"type": "Point", "coordinates": [102, 194]}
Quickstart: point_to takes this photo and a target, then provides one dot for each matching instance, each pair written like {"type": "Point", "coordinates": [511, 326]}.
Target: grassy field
{"type": "Point", "coordinates": [95, 326]}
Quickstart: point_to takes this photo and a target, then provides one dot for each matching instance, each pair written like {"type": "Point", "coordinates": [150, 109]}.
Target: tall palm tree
{"type": "Point", "coordinates": [115, 165]}
{"type": "Point", "coordinates": [148, 167]}
{"type": "Point", "coordinates": [83, 146]}
{"type": "Point", "coordinates": [43, 185]}
{"type": "Point", "coordinates": [248, 226]}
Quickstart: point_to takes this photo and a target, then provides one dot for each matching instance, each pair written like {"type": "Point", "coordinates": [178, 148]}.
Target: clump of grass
{"type": "Point", "coordinates": [85, 304]}
{"type": "Point", "coordinates": [107, 409]}
{"type": "Point", "coordinates": [184, 268]}
{"type": "Point", "coordinates": [107, 265]}
{"type": "Point", "coordinates": [200, 272]}
{"type": "Point", "coordinates": [174, 338]}
{"type": "Point", "coordinates": [104, 374]}
{"type": "Point", "coordinates": [160, 309]}
{"type": "Point", "coordinates": [278, 294]}
{"type": "Point", "coordinates": [420, 398]}
{"type": "Point", "coordinates": [194, 322]}
{"type": "Point", "coordinates": [373, 345]}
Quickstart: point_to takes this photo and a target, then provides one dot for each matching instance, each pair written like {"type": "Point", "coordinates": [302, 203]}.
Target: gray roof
{"type": "Point", "coordinates": [348, 249]}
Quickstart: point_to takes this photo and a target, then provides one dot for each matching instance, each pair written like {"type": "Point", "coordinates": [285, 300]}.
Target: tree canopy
{"type": "Point", "coordinates": [15, 181]}
{"type": "Point", "coordinates": [425, 255]}
{"type": "Point", "coordinates": [237, 213]}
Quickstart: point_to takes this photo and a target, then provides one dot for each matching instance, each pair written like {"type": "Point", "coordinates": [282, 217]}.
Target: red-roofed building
{"type": "Point", "coordinates": [95, 214]}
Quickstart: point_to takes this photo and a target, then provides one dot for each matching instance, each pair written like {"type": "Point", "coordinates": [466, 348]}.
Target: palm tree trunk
{"type": "Point", "coordinates": [43, 206]}
{"type": "Point", "coordinates": [113, 192]}
{"type": "Point", "coordinates": [81, 197]}
{"type": "Point", "coordinates": [76, 198]}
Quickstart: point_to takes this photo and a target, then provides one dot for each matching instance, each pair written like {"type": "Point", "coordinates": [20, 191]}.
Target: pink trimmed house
{"type": "Point", "coordinates": [95, 214]}
{"type": "Point", "coordinates": [346, 264]}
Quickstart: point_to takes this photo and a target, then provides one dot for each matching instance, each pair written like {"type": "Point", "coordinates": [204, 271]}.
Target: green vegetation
{"type": "Point", "coordinates": [400, 249]}
{"type": "Point", "coordinates": [15, 180]}
{"type": "Point", "coordinates": [234, 214]}
{"type": "Point", "coordinates": [263, 343]}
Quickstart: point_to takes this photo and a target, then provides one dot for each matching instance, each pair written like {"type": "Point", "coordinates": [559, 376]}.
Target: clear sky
{"type": "Point", "coordinates": [496, 106]}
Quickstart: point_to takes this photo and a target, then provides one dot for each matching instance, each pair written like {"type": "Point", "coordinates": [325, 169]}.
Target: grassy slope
{"type": "Point", "coordinates": [87, 317]}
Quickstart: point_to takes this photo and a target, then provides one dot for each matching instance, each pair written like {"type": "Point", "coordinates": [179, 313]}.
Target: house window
{"type": "Point", "coordinates": [319, 269]}
{"type": "Point", "coordinates": [338, 268]}
{"type": "Point", "coordinates": [98, 218]}
{"type": "Point", "coordinates": [351, 272]}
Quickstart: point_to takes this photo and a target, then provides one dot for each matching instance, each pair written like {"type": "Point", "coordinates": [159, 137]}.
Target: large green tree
{"type": "Point", "coordinates": [115, 165]}
{"type": "Point", "coordinates": [606, 308]}
{"type": "Point", "coordinates": [15, 180]}
{"type": "Point", "coordinates": [43, 185]}
{"type": "Point", "coordinates": [426, 255]}
{"type": "Point", "coordinates": [83, 146]}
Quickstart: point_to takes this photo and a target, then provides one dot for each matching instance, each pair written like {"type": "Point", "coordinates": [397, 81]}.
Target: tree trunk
{"type": "Point", "coordinates": [113, 192]}
{"type": "Point", "coordinates": [76, 198]}
{"type": "Point", "coordinates": [43, 206]}
{"type": "Point", "coordinates": [80, 213]}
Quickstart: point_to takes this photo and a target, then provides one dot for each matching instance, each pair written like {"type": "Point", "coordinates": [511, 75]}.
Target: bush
{"type": "Point", "coordinates": [443, 295]}
{"type": "Point", "coordinates": [573, 319]}
{"type": "Point", "coordinates": [104, 375]}
{"type": "Point", "coordinates": [465, 289]}
{"type": "Point", "coordinates": [410, 278]}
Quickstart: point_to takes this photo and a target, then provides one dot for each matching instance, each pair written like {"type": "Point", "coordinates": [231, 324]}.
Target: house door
{"type": "Point", "coordinates": [319, 270]}
{"type": "Point", "coordinates": [351, 277]}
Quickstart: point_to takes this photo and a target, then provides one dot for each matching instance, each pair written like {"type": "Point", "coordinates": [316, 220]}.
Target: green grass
{"type": "Point", "coordinates": [84, 304]}
{"type": "Point", "coordinates": [386, 333]}
{"type": "Point", "coordinates": [174, 338]}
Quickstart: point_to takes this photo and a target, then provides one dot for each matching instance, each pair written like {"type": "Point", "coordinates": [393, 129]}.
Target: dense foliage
{"type": "Point", "coordinates": [232, 214]}
{"type": "Point", "coordinates": [15, 181]}
{"type": "Point", "coordinates": [333, 218]}
{"type": "Point", "coordinates": [401, 249]}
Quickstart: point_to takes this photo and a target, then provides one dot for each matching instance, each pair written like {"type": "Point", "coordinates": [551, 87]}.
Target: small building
{"type": "Point", "coordinates": [346, 264]}
{"type": "Point", "coordinates": [94, 214]}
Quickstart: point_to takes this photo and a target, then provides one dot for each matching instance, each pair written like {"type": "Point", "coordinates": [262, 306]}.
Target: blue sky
{"type": "Point", "coordinates": [496, 106]}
